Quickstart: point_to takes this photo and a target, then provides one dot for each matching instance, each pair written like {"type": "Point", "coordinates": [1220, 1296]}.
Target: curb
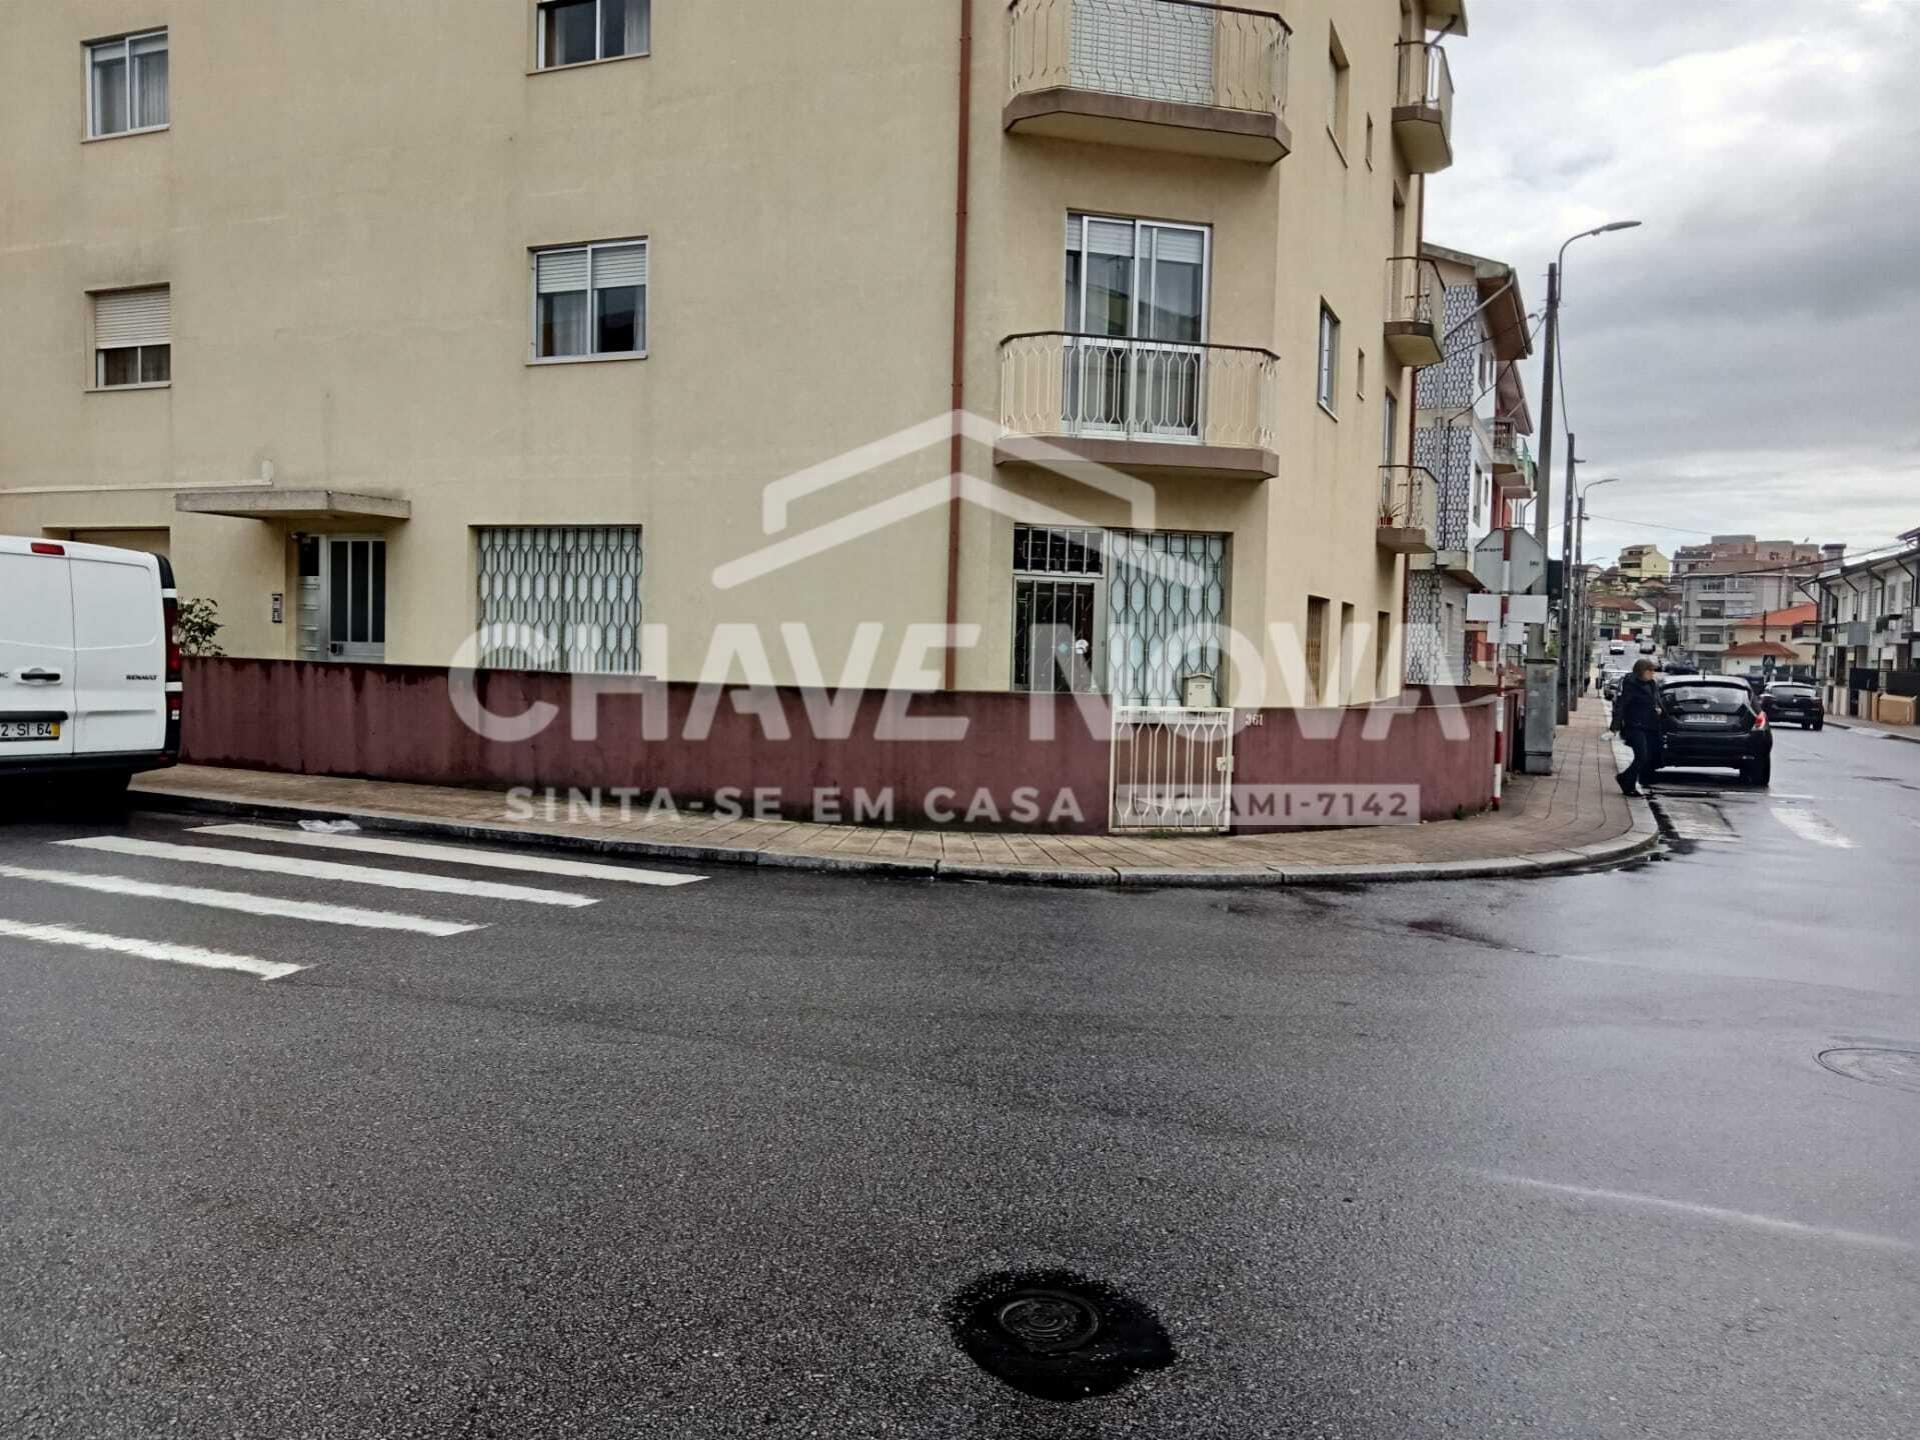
{"type": "Point", "coordinates": [1852, 724]}
{"type": "Point", "coordinates": [1642, 838]}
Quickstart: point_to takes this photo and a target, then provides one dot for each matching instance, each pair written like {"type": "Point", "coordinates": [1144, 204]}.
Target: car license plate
{"type": "Point", "coordinates": [1706, 720]}
{"type": "Point", "coordinates": [29, 729]}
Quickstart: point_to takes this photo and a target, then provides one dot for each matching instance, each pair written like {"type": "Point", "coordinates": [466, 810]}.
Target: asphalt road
{"type": "Point", "coordinates": [1551, 1157]}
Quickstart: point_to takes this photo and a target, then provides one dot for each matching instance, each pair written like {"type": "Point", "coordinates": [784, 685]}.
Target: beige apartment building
{"type": "Point", "coordinates": [397, 323]}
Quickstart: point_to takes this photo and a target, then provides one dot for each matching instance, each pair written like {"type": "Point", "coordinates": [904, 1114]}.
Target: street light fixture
{"type": "Point", "coordinates": [1548, 368]}
{"type": "Point", "coordinates": [1582, 641]}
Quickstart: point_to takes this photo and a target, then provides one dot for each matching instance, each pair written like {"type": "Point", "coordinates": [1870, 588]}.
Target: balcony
{"type": "Point", "coordinates": [1146, 407]}
{"type": "Point", "coordinates": [1408, 518]}
{"type": "Point", "coordinates": [1177, 75]}
{"type": "Point", "coordinates": [1416, 310]}
{"type": "Point", "coordinates": [1423, 108]}
{"type": "Point", "coordinates": [1512, 461]}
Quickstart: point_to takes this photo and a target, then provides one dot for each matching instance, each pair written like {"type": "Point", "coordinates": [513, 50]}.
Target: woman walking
{"type": "Point", "coordinates": [1636, 715]}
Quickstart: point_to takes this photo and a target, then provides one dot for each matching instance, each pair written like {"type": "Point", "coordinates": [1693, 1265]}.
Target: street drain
{"type": "Point", "coordinates": [1875, 1065]}
{"type": "Point", "coordinates": [1056, 1335]}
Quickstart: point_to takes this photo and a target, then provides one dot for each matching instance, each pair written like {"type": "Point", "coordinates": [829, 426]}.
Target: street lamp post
{"type": "Point", "coordinates": [1582, 641]}
{"type": "Point", "coordinates": [1555, 272]}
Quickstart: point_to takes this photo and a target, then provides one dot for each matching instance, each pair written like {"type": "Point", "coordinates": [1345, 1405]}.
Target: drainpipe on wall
{"type": "Point", "coordinates": [963, 156]}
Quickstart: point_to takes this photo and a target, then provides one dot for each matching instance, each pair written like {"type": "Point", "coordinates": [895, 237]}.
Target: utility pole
{"type": "Point", "coordinates": [1543, 473]}
{"type": "Point", "coordinates": [1565, 705]}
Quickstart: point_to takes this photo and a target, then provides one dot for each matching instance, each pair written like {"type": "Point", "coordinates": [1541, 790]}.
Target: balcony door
{"type": "Point", "coordinates": [1136, 313]}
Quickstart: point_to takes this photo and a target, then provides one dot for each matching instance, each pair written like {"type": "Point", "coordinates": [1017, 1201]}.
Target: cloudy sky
{"type": "Point", "coordinates": [1744, 362]}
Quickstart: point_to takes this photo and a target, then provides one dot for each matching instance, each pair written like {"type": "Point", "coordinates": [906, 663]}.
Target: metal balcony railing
{"type": "Point", "coordinates": [1186, 51]}
{"type": "Point", "coordinates": [1056, 382]}
{"type": "Point", "coordinates": [1407, 494]}
{"type": "Point", "coordinates": [1506, 445]}
{"type": "Point", "coordinates": [1426, 80]}
{"type": "Point", "coordinates": [1415, 292]}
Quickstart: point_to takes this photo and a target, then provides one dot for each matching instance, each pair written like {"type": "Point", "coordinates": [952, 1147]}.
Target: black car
{"type": "Point", "coordinates": [1791, 703]}
{"type": "Point", "coordinates": [1713, 721]}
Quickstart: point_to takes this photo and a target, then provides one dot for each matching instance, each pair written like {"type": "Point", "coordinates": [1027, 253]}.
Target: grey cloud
{"type": "Point", "coordinates": [1743, 358]}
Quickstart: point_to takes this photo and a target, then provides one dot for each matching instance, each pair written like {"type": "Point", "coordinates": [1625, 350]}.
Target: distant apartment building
{"type": "Point", "coordinates": [511, 345]}
{"type": "Point", "coordinates": [1735, 579]}
{"type": "Point", "coordinates": [1641, 563]}
{"type": "Point", "coordinates": [1869, 608]}
{"type": "Point", "coordinates": [1779, 644]}
{"type": "Point", "coordinates": [1469, 442]}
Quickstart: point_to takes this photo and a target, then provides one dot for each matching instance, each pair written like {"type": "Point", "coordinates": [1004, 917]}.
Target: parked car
{"type": "Point", "coordinates": [1793, 703]}
{"type": "Point", "coordinates": [1714, 722]}
{"type": "Point", "coordinates": [1680, 667]}
{"type": "Point", "coordinates": [89, 663]}
{"type": "Point", "coordinates": [1618, 647]}
{"type": "Point", "coordinates": [1646, 647]}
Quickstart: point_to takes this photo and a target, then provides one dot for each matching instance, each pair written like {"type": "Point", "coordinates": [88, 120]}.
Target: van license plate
{"type": "Point", "coordinates": [29, 729]}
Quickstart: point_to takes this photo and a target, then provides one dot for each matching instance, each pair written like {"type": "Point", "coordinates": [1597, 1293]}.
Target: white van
{"type": "Point", "coordinates": [89, 662]}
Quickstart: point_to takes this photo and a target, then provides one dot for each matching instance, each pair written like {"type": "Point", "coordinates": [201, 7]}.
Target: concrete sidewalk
{"type": "Point", "coordinates": [1573, 818]}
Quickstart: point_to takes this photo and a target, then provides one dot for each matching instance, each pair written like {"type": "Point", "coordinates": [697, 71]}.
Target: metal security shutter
{"type": "Point", "coordinates": [564, 598]}
{"type": "Point", "coordinates": [619, 265]}
{"type": "Point", "coordinates": [561, 270]}
{"type": "Point", "coordinates": [1166, 612]}
{"type": "Point", "coordinates": [132, 317]}
{"type": "Point", "coordinates": [1145, 48]}
{"type": "Point", "coordinates": [1103, 237]}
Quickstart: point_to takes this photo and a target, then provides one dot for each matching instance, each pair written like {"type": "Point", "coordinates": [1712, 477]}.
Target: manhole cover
{"type": "Point", "coordinates": [1056, 1335]}
{"type": "Point", "coordinates": [1048, 1320]}
{"type": "Point", "coordinates": [1876, 1066]}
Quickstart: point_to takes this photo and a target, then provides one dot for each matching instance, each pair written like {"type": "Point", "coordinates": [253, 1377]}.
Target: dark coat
{"type": "Point", "coordinates": [1637, 707]}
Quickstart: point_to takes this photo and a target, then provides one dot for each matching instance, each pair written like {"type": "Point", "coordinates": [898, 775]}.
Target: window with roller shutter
{"type": "Point", "coordinates": [590, 301]}
{"type": "Point", "coordinates": [132, 337]}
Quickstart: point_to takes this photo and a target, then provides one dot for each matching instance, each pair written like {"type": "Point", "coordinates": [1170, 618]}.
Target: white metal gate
{"type": "Point", "coordinates": [1172, 768]}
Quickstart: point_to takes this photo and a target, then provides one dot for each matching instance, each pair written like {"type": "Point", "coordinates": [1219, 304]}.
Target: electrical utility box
{"type": "Point", "coordinates": [1536, 753]}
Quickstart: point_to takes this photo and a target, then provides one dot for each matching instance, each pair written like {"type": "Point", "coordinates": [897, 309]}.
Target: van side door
{"type": "Point", "coordinates": [120, 652]}
{"type": "Point", "coordinates": [36, 652]}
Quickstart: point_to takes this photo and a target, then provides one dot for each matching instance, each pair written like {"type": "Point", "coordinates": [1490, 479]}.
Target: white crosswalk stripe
{"type": "Point", "coordinates": [326, 870]}
{"type": "Point", "coordinates": [454, 855]}
{"type": "Point", "coordinates": [237, 900]}
{"type": "Point", "coordinates": [147, 949]}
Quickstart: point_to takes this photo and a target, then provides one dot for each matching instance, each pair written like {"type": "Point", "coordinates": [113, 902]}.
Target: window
{"type": "Point", "coordinates": [1316, 648]}
{"type": "Point", "coordinates": [1360, 376]}
{"type": "Point", "coordinates": [1329, 356]}
{"type": "Point", "coordinates": [1712, 637]}
{"type": "Point", "coordinates": [590, 300]}
{"type": "Point", "coordinates": [1476, 494]}
{"type": "Point", "coordinates": [1127, 282]}
{"type": "Point", "coordinates": [1390, 429]}
{"type": "Point", "coordinates": [572, 32]}
{"type": "Point", "coordinates": [1369, 142]}
{"type": "Point", "coordinates": [1339, 75]}
{"type": "Point", "coordinates": [560, 597]}
{"type": "Point", "coordinates": [1057, 596]}
{"type": "Point", "coordinates": [127, 84]}
{"type": "Point", "coordinates": [1382, 654]}
{"type": "Point", "coordinates": [132, 337]}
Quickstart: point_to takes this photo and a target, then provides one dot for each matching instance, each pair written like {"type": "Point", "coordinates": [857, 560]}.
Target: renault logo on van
{"type": "Point", "coordinates": [143, 677]}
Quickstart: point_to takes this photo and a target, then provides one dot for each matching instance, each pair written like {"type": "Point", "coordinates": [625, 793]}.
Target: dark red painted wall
{"type": "Point", "coordinates": [397, 722]}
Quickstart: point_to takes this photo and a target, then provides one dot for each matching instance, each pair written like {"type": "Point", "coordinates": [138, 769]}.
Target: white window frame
{"type": "Point", "coordinates": [540, 38]}
{"type": "Point", "coordinates": [534, 357]}
{"type": "Point", "coordinates": [1327, 360]}
{"type": "Point", "coordinates": [125, 42]}
{"type": "Point", "coordinates": [98, 365]}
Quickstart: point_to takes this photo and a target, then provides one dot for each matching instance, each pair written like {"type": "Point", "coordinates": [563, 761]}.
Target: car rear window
{"type": "Point", "coordinates": [1699, 699]}
{"type": "Point", "coordinates": [1792, 692]}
